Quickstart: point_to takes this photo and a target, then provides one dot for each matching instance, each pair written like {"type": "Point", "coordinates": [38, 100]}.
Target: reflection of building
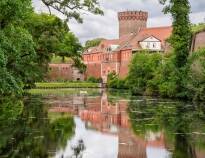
{"type": "Point", "coordinates": [106, 114]}
{"type": "Point", "coordinates": [110, 117]}
{"type": "Point", "coordinates": [130, 145]}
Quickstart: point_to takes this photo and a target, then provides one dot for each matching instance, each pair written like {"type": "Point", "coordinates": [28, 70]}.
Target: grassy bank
{"type": "Point", "coordinates": [53, 85]}
{"type": "Point", "coordinates": [65, 91]}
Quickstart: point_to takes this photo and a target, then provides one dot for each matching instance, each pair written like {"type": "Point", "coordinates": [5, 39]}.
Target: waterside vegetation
{"type": "Point", "coordinates": [30, 40]}
{"type": "Point", "coordinates": [54, 85]}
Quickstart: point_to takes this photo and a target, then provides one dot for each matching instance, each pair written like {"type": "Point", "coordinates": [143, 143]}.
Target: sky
{"type": "Point", "coordinates": [95, 26]}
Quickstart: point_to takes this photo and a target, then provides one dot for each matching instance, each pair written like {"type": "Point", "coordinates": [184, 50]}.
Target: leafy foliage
{"type": "Point", "coordinates": [28, 40]}
{"type": "Point", "coordinates": [181, 37]}
{"type": "Point", "coordinates": [196, 75]}
{"type": "Point", "coordinates": [52, 37]}
{"type": "Point", "coordinates": [94, 80]}
{"type": "Point", "coordinates": [14, 11]}
{"type": "Point", "coordinates": [92, 43]}
{"type": "Point", "coordinates": [73, 8]}
{"type": "Point", "coordinates": [142, 70]}
{"type": "Point", "coordinates": [18, 55]}
{"type": "Point", "coordinates": [115, 82]}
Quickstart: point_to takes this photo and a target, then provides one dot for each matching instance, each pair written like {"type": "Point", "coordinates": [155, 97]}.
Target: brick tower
{"type": "Point", "coordinates": [131, 21]}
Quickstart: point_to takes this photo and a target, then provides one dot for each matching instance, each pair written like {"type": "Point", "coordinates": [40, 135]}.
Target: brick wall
{"type": "Point", "coordinates": [63, 72]}
{"type": "Point", "coordinates": [198, 41]}
{"type": "Point", "coordinates": [131, 21]}
{"type": "Point", "coordinates": [93, 70]}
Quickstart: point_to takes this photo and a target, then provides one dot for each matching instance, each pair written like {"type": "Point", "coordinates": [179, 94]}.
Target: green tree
{"type": "Point", "coordinates": [14, 12]}
{"type": "Point", "coordinates": [142, 70]}
{"type": "Point", "coordinates": [53, 38]}
{"type": "Point", "coordinates": [17, 51]}
{"type": "Point", "coordinates": [74, 8]}
{"type": "Point", "coordinates": [196, 75]}
{"type": "Point", "coordinates": [69, 47]}
{"type": "Point", "coordinates": [92, 43]}
{"type": "Point", "coordinates": [181, 37]}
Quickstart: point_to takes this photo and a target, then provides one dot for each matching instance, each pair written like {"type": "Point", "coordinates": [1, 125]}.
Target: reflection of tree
{"type": "Point", "coordinates": [78, 149]}
{"type": "Point", "coordinates": [27, 131]}
{"type": "Point", "coordinates": [177, 121]}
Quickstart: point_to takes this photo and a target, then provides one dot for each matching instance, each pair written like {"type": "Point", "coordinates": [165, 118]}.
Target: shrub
{"type": "Point", "coordinates": [196, 75]}
{"type": "Point", "coordinates": [94, 80]}
{"type": "Point", "coordinates": [142, 71]}
{"type": "Point", "coordinates": [115, 82]}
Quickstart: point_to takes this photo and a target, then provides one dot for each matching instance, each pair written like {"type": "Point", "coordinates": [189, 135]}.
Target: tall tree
{"type": "Point", "coordinates": [17, 54]}
{"type": "Point", "coordinates": [69, 47]}
{"type": "Point", "coordinates": [180, 39]}
{"type": "Point", "coordinates": [181, 36]}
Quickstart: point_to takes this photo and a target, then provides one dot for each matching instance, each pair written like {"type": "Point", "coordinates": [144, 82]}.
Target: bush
{"type": "Point", "coordinates": [196, 75]}
{"type": "Point", "coordinates": [166, 77]}
{"type": "Point", "coordinates": [142, 71]}
{"type": "Point", "coordinates": [115, 82]}
{"type": "Point", "coordinates": [94, 80]}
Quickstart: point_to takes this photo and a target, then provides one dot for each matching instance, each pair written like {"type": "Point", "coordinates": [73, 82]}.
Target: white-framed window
{"type": "Point", "coordinates": [148, 45]}
{"type": "Point", "coordinates": [154, 45]}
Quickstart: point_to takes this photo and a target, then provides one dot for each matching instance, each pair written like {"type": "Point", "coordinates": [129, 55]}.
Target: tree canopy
{"type": "Point", "coordinates": [73, 8]}
{"type": "Point", "coordinates": [92, 43]}
{"type": "Point", "coordinates": [29, 40]}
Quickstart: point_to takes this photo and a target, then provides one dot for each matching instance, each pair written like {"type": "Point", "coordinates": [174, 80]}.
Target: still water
{"type": "Point", "coordinates": [99, 124]}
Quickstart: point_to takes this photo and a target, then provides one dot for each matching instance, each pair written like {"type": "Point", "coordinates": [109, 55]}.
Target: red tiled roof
{"type": "Point", "coordinates": [106, 43]}
{"type": "Point", "coordinates": [161, 33]}
{"type": "Point", "coordinates": [131, 41]}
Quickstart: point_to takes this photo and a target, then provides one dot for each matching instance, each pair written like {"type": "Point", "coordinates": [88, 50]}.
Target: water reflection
{"type": "Point", "coordinates": [26, 130]}
{"type": "Point", "coordinates": [104, 125]}
{"type": "Point", "coordinates": [111, 125]}
{"type": "Point", "coordinates": [177, 123]}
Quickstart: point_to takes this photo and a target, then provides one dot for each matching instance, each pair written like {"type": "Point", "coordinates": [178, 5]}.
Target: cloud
{"type": "Point", "coordinates": [107, 26]}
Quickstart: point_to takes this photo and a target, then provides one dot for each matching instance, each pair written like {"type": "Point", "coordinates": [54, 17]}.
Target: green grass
{"type": "Point", "coordinates": [67, 85]}
{"type": "Point", "coordinates": [65, 91]}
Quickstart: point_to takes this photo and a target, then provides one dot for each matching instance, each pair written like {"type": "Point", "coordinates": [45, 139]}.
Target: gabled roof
{"type": "Point", "coordinates": [148, 36]}
{"type": "Point", "coordinates": [161, 33]}
{"type": "Point", "coordinates": [131, 41]}
{"type": "Point", "coordinates": [106, 44]}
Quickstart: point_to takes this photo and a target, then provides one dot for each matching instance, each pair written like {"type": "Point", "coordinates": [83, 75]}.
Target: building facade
{"type": "Point", "coordinates": [134, 36]}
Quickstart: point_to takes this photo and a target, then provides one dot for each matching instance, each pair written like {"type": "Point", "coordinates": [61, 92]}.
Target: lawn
{"type": "Point", "coordinates": [67, 85]}
{"type": "Point", "coordinates": [65, 91]}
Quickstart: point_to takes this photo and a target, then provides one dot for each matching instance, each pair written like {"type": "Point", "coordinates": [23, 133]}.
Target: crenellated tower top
{"type": "Point", "coordinates": [132, 21]}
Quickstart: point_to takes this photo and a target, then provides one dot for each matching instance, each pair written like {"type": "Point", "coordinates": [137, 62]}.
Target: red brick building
{"type": "Point", "coordinates": [134, 36]}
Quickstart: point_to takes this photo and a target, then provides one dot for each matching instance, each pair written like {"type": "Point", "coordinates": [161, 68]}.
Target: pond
{"type": "Point", "coordinates": [94, 123]}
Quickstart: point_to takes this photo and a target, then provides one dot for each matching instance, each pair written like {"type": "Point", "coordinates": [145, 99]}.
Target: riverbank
{"type": "Point", "coordinates": [56, 85]}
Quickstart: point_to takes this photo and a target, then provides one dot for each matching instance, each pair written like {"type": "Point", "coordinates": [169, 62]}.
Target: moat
{"type": "Point", "coordinates": [93, 123]}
